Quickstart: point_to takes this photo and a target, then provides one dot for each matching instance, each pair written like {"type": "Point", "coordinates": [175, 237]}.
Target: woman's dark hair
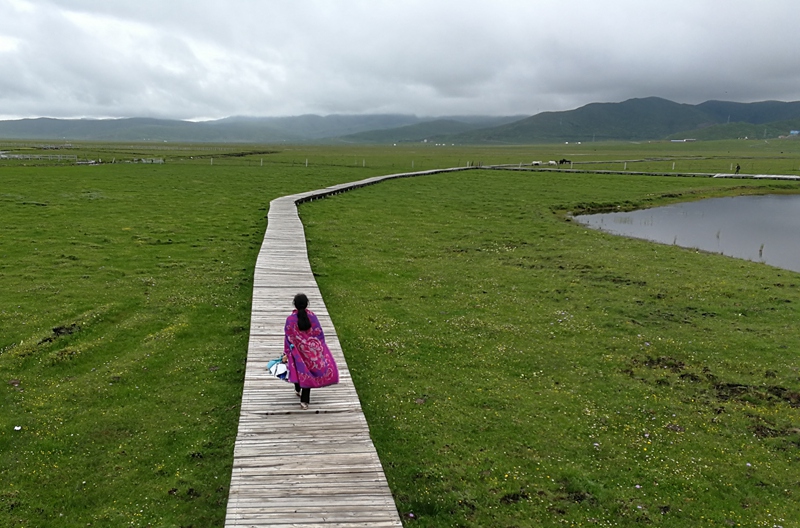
{"type": "Point", "coordinates": [301, 303]}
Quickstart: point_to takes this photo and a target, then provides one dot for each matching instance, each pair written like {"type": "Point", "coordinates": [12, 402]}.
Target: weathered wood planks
{"type": "Point", "coordinates": [294, 468]}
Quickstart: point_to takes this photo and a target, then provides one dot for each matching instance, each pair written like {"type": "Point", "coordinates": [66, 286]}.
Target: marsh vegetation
{"type": "Point", "coordinates": [516, 369]}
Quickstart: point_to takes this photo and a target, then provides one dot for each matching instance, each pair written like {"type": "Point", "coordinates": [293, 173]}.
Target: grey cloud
{"type": "Point", "coordinates": [208, 59]}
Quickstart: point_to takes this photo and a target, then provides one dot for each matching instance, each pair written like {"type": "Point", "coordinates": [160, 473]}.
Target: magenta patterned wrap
{"type": "Point", "coordinates": [310, 361]}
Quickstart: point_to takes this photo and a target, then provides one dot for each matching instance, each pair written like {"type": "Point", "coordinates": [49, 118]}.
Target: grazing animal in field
{"type": "Point", "coordinates": [536, 163]}
{"type": "Point", "coordinates": [563, 161]}
{"type": "Point", "coordinates": [551, 162]}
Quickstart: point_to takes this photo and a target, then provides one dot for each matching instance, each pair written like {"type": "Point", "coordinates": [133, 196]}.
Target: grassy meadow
{"type": "Point", "coordinates": [124, 317]}
{"type": "Point", "coordinates": [516, 369]}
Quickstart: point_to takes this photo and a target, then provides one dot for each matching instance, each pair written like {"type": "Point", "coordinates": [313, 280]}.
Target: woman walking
{"type": "Point", "coordinates": [310, 362]}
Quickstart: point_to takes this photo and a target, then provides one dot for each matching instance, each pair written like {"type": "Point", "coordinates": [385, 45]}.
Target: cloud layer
{"type": "Point", "coordinates": [209, 59]}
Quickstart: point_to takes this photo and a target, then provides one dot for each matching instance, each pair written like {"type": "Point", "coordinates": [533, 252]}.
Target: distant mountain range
{"type": "Point", "coordinates": [297, 129]}
{"type": "Point", "coordinates": [650, 118]}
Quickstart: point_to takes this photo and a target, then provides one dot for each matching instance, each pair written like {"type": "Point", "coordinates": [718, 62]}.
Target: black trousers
{"type": "Point", "coordinates": [305, 394]}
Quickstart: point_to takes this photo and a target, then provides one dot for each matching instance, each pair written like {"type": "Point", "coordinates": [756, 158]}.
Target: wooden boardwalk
{"type": "Point", "coordinates": [740, 176]}
{"type": "Point", "coordinates": [294, 468]}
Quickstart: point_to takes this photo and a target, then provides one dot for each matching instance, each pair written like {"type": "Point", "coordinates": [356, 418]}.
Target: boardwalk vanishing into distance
{"type": "Point", "coordinates": [625, 172]}
{"type": "Point", "coordinates": [295, 468]}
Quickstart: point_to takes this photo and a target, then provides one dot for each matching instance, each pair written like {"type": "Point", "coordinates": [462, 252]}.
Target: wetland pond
{"type": "Point", "coordinates": [759, 228]}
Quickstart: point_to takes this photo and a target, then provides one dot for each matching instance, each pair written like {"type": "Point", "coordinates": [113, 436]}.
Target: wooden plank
{"type": "Point", "coordinates": [295, 468]}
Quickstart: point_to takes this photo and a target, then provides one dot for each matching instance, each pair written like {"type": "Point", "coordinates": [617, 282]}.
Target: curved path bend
{"type": "Point", "coordinates": [294, 468]}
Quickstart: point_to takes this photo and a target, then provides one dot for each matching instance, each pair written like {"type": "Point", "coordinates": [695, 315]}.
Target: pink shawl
{"type": "Point", "coordinates": [309, 360]}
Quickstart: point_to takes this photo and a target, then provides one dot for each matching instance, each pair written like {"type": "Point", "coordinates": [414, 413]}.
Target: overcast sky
{"type": "Point", "coordinates": [204, 59]}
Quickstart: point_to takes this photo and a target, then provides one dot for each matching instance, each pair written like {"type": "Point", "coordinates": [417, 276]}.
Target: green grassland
{"type": "Point", "coordinates": [124, 317]}
{"type": "Point", "coordinates": [492, 342]}
{"type": "Point", "coordinates": [520, 370]}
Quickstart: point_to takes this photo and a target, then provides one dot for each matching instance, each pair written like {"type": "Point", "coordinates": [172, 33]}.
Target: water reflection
{"type": "Point", "coordinates": [758, 228]}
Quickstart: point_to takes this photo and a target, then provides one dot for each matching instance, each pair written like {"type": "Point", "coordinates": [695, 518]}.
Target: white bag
{"type": "Point", "coordinates": [278, 370]}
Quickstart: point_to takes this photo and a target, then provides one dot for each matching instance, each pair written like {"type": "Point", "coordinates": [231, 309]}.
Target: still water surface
{"type": "Point", "coordinates": [758, 228]}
